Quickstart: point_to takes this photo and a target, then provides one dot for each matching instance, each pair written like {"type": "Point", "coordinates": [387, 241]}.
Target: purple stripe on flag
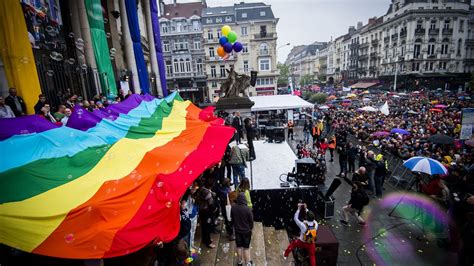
{"type": "Point", "coordinates": [24, 125]}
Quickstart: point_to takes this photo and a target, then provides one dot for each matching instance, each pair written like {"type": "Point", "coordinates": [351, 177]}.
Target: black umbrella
{"type": "Point", "coordinates": [441, 139]}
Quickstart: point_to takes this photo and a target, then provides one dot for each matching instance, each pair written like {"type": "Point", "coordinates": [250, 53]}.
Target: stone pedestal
{"type": "Point", "coordinates": [233, 104]}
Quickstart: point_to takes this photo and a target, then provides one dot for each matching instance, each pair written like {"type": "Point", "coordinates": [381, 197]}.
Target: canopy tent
{"type": "Point", "coordinates": [278, 102]}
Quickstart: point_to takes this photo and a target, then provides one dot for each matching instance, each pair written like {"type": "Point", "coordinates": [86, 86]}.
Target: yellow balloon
{"type": "Point", "coordinates": [225, 30]}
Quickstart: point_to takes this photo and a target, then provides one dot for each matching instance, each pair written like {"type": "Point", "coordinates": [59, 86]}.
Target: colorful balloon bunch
{"type": "Point", "coordinates": [228, 43]}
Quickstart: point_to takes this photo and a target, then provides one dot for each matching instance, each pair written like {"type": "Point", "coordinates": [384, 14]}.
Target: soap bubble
{"type": "Point", "coordinates": [107, 35]}
{"type": "Point", "coordinates": [71, 61]}
{"type": "Point", "coordinates": [69, 238]}
{"type": "Point", "coordinates": [71, 35]}
{"type": "Point", "coordinates": [50, 73]}
{"type": "Point", "coordinates": [169, 204]}
{"type": "Point", "coordinates": [84, 66]}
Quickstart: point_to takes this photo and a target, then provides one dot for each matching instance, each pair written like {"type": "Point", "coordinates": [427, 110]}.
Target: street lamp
{"type": "Point", "coordinates": [281, 46]}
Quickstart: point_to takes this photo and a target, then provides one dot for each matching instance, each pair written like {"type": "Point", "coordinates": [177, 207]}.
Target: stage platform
{"type": "Point", "coordinates": [273, 159]}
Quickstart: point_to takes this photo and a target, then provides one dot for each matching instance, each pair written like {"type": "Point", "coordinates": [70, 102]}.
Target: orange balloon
{"type": "Point", "coordinates": [221, 52]}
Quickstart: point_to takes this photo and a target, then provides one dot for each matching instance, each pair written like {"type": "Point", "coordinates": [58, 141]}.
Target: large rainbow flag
{"type": "Point", "coordinates": [109, 182]}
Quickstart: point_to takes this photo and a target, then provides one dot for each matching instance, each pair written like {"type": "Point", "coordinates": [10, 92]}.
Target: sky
{"type": "Point", "coordinates": [307, 21]}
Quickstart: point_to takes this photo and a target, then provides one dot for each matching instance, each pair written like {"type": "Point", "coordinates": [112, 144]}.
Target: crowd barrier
{"type": "Point", "coordinates": [399, 177]}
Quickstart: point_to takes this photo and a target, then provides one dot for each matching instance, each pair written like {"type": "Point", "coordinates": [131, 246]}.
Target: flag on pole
{"type": "Point", "coordinates": [384, 109]}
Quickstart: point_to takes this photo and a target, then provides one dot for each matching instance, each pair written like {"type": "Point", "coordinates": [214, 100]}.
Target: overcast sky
{"type": "Point", "coordinates": [306, 21]}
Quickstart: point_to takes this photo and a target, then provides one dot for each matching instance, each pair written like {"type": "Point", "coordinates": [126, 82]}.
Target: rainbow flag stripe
{"type": "Point", "coordinates": [106, 186]}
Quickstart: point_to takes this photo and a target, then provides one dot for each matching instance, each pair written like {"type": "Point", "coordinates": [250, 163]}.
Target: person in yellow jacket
{"type": "Point", "coordinates": [244, 187]}
{"type": "Point", "coordinates": [331, 147]}
{"type": "Point", "coordinates": [290, 125]}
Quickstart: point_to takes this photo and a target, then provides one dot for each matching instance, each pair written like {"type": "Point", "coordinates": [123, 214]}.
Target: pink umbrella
{"type": "Point", "coordinates": [440, 106]}
{"type": "Point", "coordinates": [381, 134]}
{"type": "Point", "coordinates": [469, 142]}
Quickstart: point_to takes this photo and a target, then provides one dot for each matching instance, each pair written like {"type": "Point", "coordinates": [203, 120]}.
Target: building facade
{"type": "Point", "coordinates": [431, 42]}
{"type": "Point", "coordinates": [184, 56]}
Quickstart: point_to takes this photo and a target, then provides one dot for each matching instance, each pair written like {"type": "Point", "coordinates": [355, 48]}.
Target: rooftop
{"type": "Point", "coordinates": [185, 10]}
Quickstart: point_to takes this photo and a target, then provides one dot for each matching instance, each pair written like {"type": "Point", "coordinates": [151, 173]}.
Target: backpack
{"type": "Point", "coordinates": [310, 235]}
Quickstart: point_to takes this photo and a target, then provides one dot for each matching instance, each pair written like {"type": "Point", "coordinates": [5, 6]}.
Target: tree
{"type": "Point", "coordinates": [306, 79]}
{"type": "Point", "coordinates": [307, 95]}
{"type": "Point", "coordinates": [319, 98]}
{"type": "Point", "coordinates": [284, 74]}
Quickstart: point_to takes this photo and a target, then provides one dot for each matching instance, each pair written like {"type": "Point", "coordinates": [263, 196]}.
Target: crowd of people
{"type": "Point", "coordinates": [14, 106]}
{"type": "Point", "coordinates": [411, 128]}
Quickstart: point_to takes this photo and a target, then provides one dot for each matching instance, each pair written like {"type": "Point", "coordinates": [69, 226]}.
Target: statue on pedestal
{"type": "Point", "coordinates": [235, 84]}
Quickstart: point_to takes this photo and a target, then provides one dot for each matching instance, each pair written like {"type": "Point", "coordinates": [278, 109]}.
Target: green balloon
{"type": "Point", "coordinates": [232, 36]}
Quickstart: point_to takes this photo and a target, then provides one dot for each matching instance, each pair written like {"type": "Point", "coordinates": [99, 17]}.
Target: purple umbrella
{"type": "Point", "coordinates": [440, 106]}
{"type": "Point", "coordinates": [399, 131]}
{"type": "Point", "coordinates": [381, 134]}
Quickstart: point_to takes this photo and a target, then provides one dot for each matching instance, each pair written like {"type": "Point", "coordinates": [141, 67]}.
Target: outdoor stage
{"type": "Point", "coordinates": [273, 159]}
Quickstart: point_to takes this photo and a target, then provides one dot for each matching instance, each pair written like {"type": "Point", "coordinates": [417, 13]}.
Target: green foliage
{"type": "Point", "coordinates": [306, 79]}
{"type": "Point", "coordinates": [318, 98]}
{"type": "Point", "coordinates": [284, 74]}
{"type": "Point", "coordinates": [307, 95]}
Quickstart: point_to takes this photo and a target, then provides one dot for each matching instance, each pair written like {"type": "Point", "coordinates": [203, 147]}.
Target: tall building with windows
{"type": "Point", "coordinates": [182, 41]}
{"type": "Point", "coordinates": [255, 26]}
{"type": "Point", "coordinates": [213, 18]}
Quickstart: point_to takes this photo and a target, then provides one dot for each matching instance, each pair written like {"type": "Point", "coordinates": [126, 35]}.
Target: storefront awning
{"type": "Point", "coordinates": [363, 85]}
{"type": "Point", "coordinates": [278, 102]}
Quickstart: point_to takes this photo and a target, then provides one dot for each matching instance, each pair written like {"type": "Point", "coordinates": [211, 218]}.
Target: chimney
{"type": "Point", "coordinates": [174, 3]}
{"type": "Point", "coordinates": [351, 29]}
{"type": "Point", "coordinates": [372, 20]}
{"type": "Point", "coordinates": [204, 3]}
{"type": "Point", "coordinates": [359, 25]}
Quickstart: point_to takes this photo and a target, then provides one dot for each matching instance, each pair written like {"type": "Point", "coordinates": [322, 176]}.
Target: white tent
{"type": "Point", "coordinates": [278, 102]}
{"type": "Point", "coordinates": [369, 109]}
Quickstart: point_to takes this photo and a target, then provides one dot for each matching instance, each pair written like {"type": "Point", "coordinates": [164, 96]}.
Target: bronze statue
{"type": "Point", "coordinates": [235, 84]}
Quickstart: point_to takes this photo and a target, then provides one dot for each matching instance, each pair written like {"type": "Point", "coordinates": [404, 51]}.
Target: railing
{"type": "Point", "coordinates": [265, 35]}
{"type": "Point", "coordinates": [363, 57]}
{"type": "Point", "coordinates": [213, 40]}
{"type": "Point", "coordinates": [433, 32]}
{"type": "Point", "coordinates": [394, 37]}
{"type": "Point", "coordinates": [374, 55]}
{"type": "Point", "coordinates": [386, 39]}
{"type": "Point", "coordinates": [375, 42]}
{"type": "Point", "coordinates": [447, 31]}
{"type": "Point", "coordinates": [364, 45]}
{"type": "Point", "coordinates": [419, 31]}
{"type": "Point", "coordinates": [403, 34]}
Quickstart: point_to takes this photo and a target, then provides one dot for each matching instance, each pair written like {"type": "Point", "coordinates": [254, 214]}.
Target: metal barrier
{"type": "Point", "coordinates": [399, 176]}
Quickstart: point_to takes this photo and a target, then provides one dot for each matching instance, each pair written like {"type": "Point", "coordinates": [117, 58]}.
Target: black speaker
{"type": "Point", "coordinates": [253, 78]}
{"type": "Point", "coordinates": [306, 172]}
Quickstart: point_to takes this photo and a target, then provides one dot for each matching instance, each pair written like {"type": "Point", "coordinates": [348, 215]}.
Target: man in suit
{"type": "Point", "coordinates": [237, 124]}
{"type": "Point", "coordinates": [16, 103]}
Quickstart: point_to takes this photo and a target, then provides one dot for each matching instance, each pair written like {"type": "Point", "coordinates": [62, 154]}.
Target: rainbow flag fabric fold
{"type": "Point", "coordinates": [108, 185]}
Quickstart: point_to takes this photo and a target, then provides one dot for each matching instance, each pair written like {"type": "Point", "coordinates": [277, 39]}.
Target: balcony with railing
{"type": "Point", "coordinates": [386, 39]}
{"type": "Point", "coordinates": [211, 41]}
{"type": "Point", "coordinates": [363, 57]}
{"type": "Point", "coordinates": [447, 31]}
{"type": "Point", "coordinates": [394, 37]}
{"type": "Point", "coordinates": [354, 45]}
{"type": "Point", "coordinates": [403, 34]}
{"type": "Point", "coordinates": [372, 68]}
{"type": "Point", "coordinates": [364, 45]}
{"type": "Point", "coordinates": [375, 42]}
{"type": "Point", "coordinates": [433, 32]}
{"type": "Point", "coordinates": [218, 59]}
{"type": "Point", "coordinates": [470, 41]}
{"type": "Point", "coordinates": [419, 32]}
{"type": "Point", "coordinates": [187, 75]}
{"type": "Point", "coordinates": [374, 55]}
{"type": "Point", "coordinates": [265, 35]}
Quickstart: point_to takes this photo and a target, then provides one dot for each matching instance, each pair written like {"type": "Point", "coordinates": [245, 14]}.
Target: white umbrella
{"type": "Point", "coordinates": [324, 107]}
{"type": "Point", "coordinates": [412, 112]}
{"type": "Point", "coordinates": [366, 99]}
{"type": "Point", "coordinates": [369, 109]}
{"type": "Point", "coordinates": [402, 94]}
{"type": "Point", "coordinates": [425, 165]}
{"type": "Point", "coordinates": [396, 96]}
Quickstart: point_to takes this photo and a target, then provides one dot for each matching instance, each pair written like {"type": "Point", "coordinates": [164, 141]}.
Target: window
{"type": "Point", "coordinates": [196, 26]}
{"type": "Point", "coordinates": [264, 81]}
{"type": "Point", "coordinates": [218, 20]}
{"type": "Point", "coordinates": [264, 49]}
{"type": "Point", "coordinates": [416, 51]}
{"type": "Point", "coordinates": [244, 15]}
{"type": "Point", "coordinates": [264, 64]}
{"type": "Point", "coordinates": [446, 24]}
{"type": "Point", "coordinates": [197, 45]}
{"type": "Point", "coordinates": [214, 84]}
{"type": "Point", "coordinates": [176, 66]}
{"type": "Point", "coordinates": [188, 65]}
{"type": "Point", "coordinates": [199, 66]}
{"type": "Point", "coordinates": [211, 52]}
{"type": "Point", "coordinates": [219, 34]}
{"type": "Point", "coordinates": [222, 70]}
{"type": "Point", "coordinates": [246, 66]}
{"type": "Point", "coordinates": [444, 48]}
{"type": "Point", "coordinates": [431, 47]}
{"type": "Point", "coordinates": [166, 46]}
{"type": "Point", "coordinates": [210, 36]}
{"type": "Point", "coordinates": [459, 47]}
{"type": "Point", "coordinates": [433, 25]}
{"type": "Point", "coordinates": [181, 65]}
{"type": "Point", "coordinates": [262, 13]}
{"type": "Point", "coordinates": [179, 26]}
{"type": "Point", "coordinates": [263, 31]}
{"type": "Point", "coordinates": [461, 25]}
{"type": "Point", "coordinates": [164, 28]}
{"type": "Point", "coordinates": [245, 49]}
{"type": "Point", "coordinates": [228, 19]}
{"type": "Point", "coordinates": [213, 71]}
{"type": "Point", "coordinates": [415, 67]}
{"type": "Point", "coordinates": [243, 31]}
{"type": "Point", "coordinates": [429, 66]}
{"type": "Point", "coordinates": [402, 50]}
{"type": "Point", "coordinates": [442, 65]}
{"type": "Point", "coordinates": [169, 68]}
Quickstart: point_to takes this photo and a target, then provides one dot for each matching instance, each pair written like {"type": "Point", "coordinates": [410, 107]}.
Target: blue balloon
{"type": "Point", "coordinates": [238, 47]}
{"type": "Point", "coordinates": [223, 40]}
{"type": "Point", "coordinates": [227, 47]}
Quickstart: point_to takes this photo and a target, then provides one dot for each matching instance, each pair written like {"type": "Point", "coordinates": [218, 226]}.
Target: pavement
{"type": "Point", "coordinates": [386, 240]}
